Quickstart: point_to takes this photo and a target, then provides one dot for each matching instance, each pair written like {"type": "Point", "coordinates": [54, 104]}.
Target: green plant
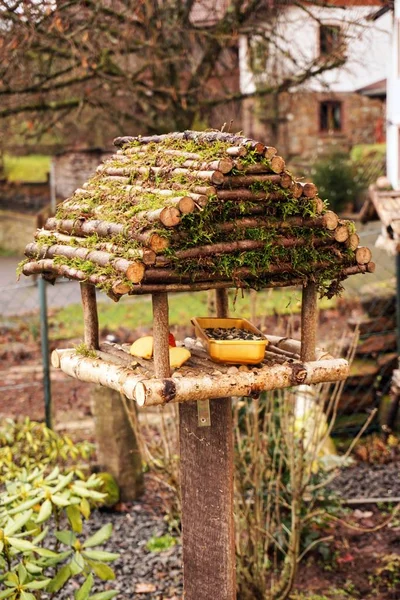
{"type": "Point", "coordinates": [158, 544]}
{"type": "Point", "coordinates": [388, 574]}
{"type": "Point", "coordinates": [335, 177]}
{"type": "Point", "coordinates": [28, 444]}
{"type": "Point", "coordinates": [38, 511]}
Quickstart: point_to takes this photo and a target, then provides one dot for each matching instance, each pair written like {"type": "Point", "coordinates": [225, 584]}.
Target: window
{"type": "Point", "coordinates": [330, 116]}
{"type": "Point", "coordinates": [330, 39]}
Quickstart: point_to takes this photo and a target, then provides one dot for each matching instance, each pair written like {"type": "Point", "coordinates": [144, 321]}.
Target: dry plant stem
{"type": "Point", "coordinates": [309, 318]}
{"type": "Point", "coordinates": [158, 391]}
{"type": "Point", "coordinates": [90, 316]}
{"type": "Point", "coordinates": [161, 334]}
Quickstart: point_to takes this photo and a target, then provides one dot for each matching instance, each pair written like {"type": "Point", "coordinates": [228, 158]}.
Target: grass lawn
{"type": "Point", "coordinates": [133, 313]}
{"type": "Point", "coordinates": [32, 168]}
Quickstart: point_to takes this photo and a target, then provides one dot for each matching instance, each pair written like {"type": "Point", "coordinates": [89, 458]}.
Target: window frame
{"type": "Point", "coordinates": [330, 103]}
{"type": "Point", "coordinates": [336, 45]}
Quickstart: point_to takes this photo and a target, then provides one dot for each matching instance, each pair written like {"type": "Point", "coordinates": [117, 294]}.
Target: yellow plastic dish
{"type": "Point", "coordinates": [230, 351]}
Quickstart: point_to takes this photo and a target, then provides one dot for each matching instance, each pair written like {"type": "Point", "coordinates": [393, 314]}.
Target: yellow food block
{"type": "Point", "coordinates": [178, 356]}
{"type": "Point", "coordinates": [143, 347]}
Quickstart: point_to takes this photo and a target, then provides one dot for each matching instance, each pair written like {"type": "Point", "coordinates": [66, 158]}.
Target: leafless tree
{"type": "Point", "coordinates": [143, 65]}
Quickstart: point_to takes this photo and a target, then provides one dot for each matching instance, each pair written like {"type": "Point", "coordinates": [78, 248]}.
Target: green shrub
{"type": "Point", "coordinates": [28, 444]}
{"type": "Point", "coordinates": [341, 178]}
{"type": "Point", "coordinates": [336, 180]}
{"type": "Point", "coordinates": [42, 510]}
{"type": "Point", "coordinates": [38, 511]}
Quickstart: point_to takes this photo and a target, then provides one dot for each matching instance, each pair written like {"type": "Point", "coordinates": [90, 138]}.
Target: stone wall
{"type": "Point", "coordinates": [24, 197]}
{"type": "Point", "coordinates": [16, 230]}
{"type": "Point", "coordinates": [298, 121]}
{"type": "Point", "coordinates": [73, 168]}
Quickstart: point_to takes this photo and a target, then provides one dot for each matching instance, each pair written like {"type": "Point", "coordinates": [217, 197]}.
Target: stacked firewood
{"type": "Point", "coordinates": [192, 211]}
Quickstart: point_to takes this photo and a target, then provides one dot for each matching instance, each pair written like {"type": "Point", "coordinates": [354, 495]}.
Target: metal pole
{"type": "Point", "coordinates": [44, 336]}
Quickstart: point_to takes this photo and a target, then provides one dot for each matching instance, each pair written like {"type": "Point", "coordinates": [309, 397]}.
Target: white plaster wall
{"type": "Point", "coordinates": [368, 48]}
{"type": "Point", "coordinates": [393, 106]}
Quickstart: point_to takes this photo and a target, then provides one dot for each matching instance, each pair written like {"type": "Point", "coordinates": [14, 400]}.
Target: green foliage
{"type": "Point", "coordinates": [27, 444]}
{"type": "Point", "coordinates": [342, 178]}
{"type": "Point", "coordinates": [109, 487]}
{"type": "Point", "coordinates": [83, 350]}
{"type": "Point", "coordinates": [39, 510]}
{"type": "Point", "coordinates": [44, 506]}
{"type": "Point", "coordinates": [159, 544]}
{"type": "Point", "coordinates": [336, 180]}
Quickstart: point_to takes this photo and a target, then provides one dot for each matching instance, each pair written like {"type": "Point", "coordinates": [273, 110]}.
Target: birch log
{"type": "Point", "coordinates": [154, 391]}
{"type": "Point", "coordinates": [95, 370]}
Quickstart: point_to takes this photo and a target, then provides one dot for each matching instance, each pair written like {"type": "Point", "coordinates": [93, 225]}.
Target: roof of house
{"type": "Point", "coordinates": [191, 211]}
{"type": "Point", "coordinates": [378, 88]}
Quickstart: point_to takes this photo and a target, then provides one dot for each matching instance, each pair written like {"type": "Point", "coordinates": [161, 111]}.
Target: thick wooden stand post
{"type": "Point", "coordinates": [207, 498]}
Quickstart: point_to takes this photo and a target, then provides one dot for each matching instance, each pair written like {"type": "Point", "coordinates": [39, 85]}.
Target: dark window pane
{"type": "Point", "coordinates": [330, 116]}
{"type": "Point", "coordinates": [330, 38]}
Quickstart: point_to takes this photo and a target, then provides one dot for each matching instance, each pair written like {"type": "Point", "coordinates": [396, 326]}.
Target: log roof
{"type": "Point", "coordinates": [191, 211]}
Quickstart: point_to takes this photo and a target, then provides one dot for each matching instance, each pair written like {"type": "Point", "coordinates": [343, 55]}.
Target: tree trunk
{"type": "Point", "coordinates": [116, 444]}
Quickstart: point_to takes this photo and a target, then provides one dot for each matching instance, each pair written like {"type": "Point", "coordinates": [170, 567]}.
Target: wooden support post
{"type": "Point", "coordinates": [90, 316]}
{"type": "Point", "coordinates": [309, 321]}
{"type": "Point", "coordinates": [160, 335]}
{"type": "Point", "coordinates": [207, 497]}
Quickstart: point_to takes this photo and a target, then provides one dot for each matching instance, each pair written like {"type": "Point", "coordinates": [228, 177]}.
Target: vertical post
{"type": "Point", "coordinates": [160, 335]}
{"type": "Point", "coordinates": [90, 316]}
{"type": "Point", "coordinates": [309, 321]}
{"type": "Point", "coordinates": [207, 497]}
{"type": "Point", "coordinates": [44, 336]}
{"type": "Point", "coordinates": [394, 390]}
{"type": "Point", "coordinates": [398, 301]}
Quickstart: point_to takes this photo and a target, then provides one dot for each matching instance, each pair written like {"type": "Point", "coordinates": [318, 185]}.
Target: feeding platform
{"type": "Point", "coordinates": [195, 211]}
{"type": "Point", "coordinates": [186, 212]}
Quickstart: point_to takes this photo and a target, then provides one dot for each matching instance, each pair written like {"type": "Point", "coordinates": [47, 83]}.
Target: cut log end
{"type": "Point", "coordinates": [140, 394]}
{"type": "Point", "coordinates": [310, 190]}
{"type": "Point", "coordinates": [330, 220]}
{"type": "Point", "coordinates": [363, 255]}
{"type": "Point", "coordinates": [186, 205]}
{"type": "Point", "coordinates": [170, 216]}
{"type": "Point", "coordinates": [158, 243]}
{"type": "Point", "coordinates": [341, 233]}
{"type": "Point", "coordinates": [55, 359]}
{"type": "Point", "coordinates": [277, 164]}
{"type": "Point", "coordinates": [135, 272]}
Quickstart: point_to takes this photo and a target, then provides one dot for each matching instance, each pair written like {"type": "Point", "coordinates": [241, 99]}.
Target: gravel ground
{"type": "Point", "coordinates": [369, 481]}
{"type": "Point", "coordinates": [140, 574]}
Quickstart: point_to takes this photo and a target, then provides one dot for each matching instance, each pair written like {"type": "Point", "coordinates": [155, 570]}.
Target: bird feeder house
{"type": "Point", "coordinates": [185, 212]}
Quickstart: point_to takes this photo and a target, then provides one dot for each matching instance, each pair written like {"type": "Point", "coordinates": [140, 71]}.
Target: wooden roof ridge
{"type": "Point", "coordinates": [195, 210]}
